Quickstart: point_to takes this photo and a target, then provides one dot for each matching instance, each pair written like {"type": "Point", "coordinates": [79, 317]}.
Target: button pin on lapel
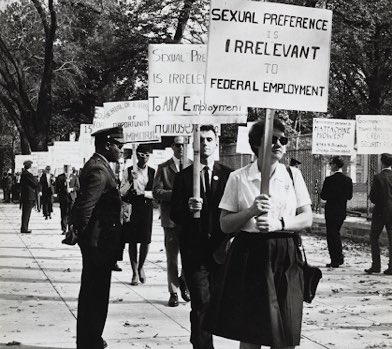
{"type": "Point", "coordinates": [215, 178]}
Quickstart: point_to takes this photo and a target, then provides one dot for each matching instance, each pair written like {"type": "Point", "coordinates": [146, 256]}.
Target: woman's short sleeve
{"type": "Point", "coordinates": [301, 191]}
{"type": "Point", "coordinates": [229, 201]}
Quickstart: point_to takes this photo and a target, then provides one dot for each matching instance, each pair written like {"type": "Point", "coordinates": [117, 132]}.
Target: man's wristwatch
{"type": "Point", "coordinates": [282, 222]}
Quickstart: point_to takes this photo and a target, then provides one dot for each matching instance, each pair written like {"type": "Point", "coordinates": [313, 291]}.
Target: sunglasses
{"type": "Point", "coordinates": [118, 144]}
{"type": "Point", "coordinates": [178, 145]}
{"type": "Point", "coordinates": [282, 140]}
{"type": "Point", "coordinates": [143, 155]}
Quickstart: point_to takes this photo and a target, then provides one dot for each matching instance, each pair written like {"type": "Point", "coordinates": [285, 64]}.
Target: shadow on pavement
{"type": "Point", "coordinates": [18, 345]}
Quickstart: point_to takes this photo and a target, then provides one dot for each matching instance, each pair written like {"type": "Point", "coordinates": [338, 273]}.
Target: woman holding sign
{"type": "Point", "coordinates": [259, 300]}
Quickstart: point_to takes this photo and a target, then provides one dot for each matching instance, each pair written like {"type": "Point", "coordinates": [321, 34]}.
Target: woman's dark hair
{"type": "Point", "coordinates": [257, 132]}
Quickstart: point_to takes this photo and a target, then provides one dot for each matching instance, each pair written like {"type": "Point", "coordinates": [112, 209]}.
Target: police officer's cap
{"type": "Point", "coordinates": [27, 164]}
{"type": "Point", "coordinates": [110, 134]}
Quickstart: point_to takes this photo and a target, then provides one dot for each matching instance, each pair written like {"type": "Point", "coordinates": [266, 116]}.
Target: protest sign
{"type": "Point", "coordinates": [86, 142]}
{"type": "Point", "coordinates": [243, 146]}
{"type": "Point", "coordinates": [333, 136]}
{"type": "Point", "coordinates": [133, 117]}
{"type": "Point", "coordinates": [19, 160]}
{"type": "Point", "coordinates": [374, 134]}
{"type": "Point", "coordinates": [176, 83]}
{"type": "Point", "coordinates": [269, 55]}
{"type": "Point", "coordinates": [98, 121]}
{"type": "Point", "coordinates": [66, 153]}
{"type": "Point", "coordinates": [176, 129]}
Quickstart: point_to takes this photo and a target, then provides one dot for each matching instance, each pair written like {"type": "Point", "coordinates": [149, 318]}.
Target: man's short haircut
{"type": "Point", "coordinates": [338, 161]}
{"type": "Point", "coordinates": [205, 128]}
{"type": "Point", "coordinates": [386, 159]}
{"type": "Point", "coordinates": [256, 133]}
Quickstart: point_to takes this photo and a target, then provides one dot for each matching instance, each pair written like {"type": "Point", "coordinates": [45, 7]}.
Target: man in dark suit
{"type": "Point", "coordinates": [337, 189]}
{"type": "Point", "coordinates": [28, 196]}
{"type": "Point", "coordinates": [162, 191]}
{"type": "Point", "coordinates": [66, 186]}
{"type": "Point", "coordinates": [200, 237]}
{"type": "Point", "coordinates": [46, 183]}
{"type": "Point", "coordinates": [381, 197]}
{"type": "Point", "coordinates": [95, 219]}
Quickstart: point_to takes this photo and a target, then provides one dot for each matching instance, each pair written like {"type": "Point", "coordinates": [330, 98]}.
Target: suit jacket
{"type": "Point", "coordinates": [337, 189]}
{"type": "Point", "coordinates": [381, 195]}
{"type": "Point", "coordinates": [199, 237]}
{"type": "Point", "coordinates": [46, 188]}
{"type": "Point", "coordinates": [29, 187]}
{"type": "Point", "coordinates": [162, 190]}
{"type": "Point", "coordinates": [61, 187]}
{"type": "Point", "coordinates": [97, 210]}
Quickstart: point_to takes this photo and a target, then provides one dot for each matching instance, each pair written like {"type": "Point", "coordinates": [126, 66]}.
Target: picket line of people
{"type": "Point", "coordinates": [241, 263]}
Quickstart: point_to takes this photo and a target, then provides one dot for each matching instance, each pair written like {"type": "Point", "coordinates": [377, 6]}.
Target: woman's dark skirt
{"type": "Point", "coordinates": [139, 227]}
{"type": "Point", "coordinates": [259, 297]}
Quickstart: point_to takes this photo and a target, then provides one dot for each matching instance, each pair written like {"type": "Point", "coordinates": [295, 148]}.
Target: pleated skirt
{"type": "Point", "coordinates": [259, 295]}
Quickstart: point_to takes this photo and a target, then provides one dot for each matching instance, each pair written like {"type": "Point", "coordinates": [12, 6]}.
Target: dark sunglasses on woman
{"type": "Point", "coordinates": [282, 140]}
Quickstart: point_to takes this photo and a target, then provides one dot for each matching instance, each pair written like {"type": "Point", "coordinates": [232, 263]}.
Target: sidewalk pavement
{"type": "Point", "coordinates": [39, 285]}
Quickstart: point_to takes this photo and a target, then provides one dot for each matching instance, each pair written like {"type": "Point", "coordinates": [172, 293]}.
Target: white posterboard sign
{"type": "Point", "coordinates": [133, 117]}
{"type": "Point", "coordinates": [176, 129]}
{"type": "Point", "coordinates": [98, 121]}
{"type": "Point", "coordinates": [374, 134]}
{"type": "Point", "coordinates": [269, 55]}
{"type": "Point", "coordinates": [333, 136]}
{"type": "Point", "coordinates": [66, 153]}
{"type": "Point", "coordinates": [19, 160]}
{"type": "Point", "coordinates": [41, 159]}
{"type": "Point", "coordinates": [86, 142]}
{"type": "Point", "coordinates": [176, 83]}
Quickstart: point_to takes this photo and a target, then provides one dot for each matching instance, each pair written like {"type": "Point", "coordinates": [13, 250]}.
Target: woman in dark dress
{"type": "Point", "coordinates": [259, 299]}
{"type": "Point", "coordinates": [138, 230]}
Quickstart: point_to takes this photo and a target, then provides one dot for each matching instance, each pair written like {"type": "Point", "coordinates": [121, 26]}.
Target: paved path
{"type": "Point", "coordinates": [39, 284]}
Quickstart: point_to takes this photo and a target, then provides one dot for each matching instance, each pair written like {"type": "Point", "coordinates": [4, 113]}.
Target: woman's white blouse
{"type": "Point", "coordinates": [243, 186]}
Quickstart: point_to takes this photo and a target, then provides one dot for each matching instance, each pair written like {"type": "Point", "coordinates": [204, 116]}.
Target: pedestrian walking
{"type": "Point", "coordinates": [162, 191]}
{"type": "Point", "coordinates": [136, 188]}
{"type": "Point", "coordinates": [381, 197]}
{"type": "Point", "coordinates": [67, 187]}
{"type": "Point", "coordinates": [47, 190]}
{"type": "Point", "coordinates": [96, 222]}
{"type": "Point", "coordinates": [336, 190]}
{"type": "Point", "coordinates": [259, 300]}
{"type": "Point", "coordinates": [200, 237]}
{"type": "Point", "coordinates": [29, 195]}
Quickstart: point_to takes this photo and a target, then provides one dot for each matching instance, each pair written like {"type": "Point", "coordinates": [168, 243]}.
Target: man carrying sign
{"type": "Point", "coordinates": [200, 237]}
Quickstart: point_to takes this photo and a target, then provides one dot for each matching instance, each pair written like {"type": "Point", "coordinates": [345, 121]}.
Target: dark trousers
{"type": "Point", "coordinates": [27, 206]}
{"type": "Point", "coordinates": [7, 195]}
{"type": "Point", "coordinates": [334, 241]}
{"type": "Point", "coordinates": [65, 210]}
{"type": "Point", "coordinates": [47, 204]}
{"type": "Point", "coordinates": [377, 226]}
{"type": "Point", "coordinates": [200, 280]}
{"type": "Point", "coordinates": [93, 300]}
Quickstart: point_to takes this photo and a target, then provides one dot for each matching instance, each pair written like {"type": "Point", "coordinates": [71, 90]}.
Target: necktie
{"type": "Point", "coordinates": [207, 181]}
{"type": "Point", "coordinates": [181, 166]}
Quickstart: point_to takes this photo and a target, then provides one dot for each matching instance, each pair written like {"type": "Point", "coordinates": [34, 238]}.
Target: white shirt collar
{"type": "Point", "coordinates": [176, 161]}
{"type": "Point", "coordinates": [255, 174]}
{"type": "Point", "coordinates": [210, 164]}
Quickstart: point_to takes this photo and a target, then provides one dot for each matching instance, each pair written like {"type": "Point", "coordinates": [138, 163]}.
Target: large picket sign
{"type": "Point", "coordinates": [374, 134]}
{"type": "Point", "coordinates": [133, 117]}
{"type": "Point", "coordinates": [176, 83]}
{"type": "Point", "coordinates": [333, 136]}
{"type": "Point", "coordinates": [269, 55]}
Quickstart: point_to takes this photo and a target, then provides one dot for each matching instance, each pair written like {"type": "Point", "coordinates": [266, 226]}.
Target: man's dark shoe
{"type": "Point", "coordinates": [388, 271]}
{"type": "Point", "coordinates": [332, 265]}
{"type": "Point", "coordinates": [116, 268]}
{"type": "Point", "coordinates": [372, 270]}
{"type": "Point", "coordinates": [104, 344]}
{"type": "Point", "coordinates": [173, 300]}
{"type": "Point", "coordinates": [184, 291]}
{"type": "Point", "coordinates": [26, 232]}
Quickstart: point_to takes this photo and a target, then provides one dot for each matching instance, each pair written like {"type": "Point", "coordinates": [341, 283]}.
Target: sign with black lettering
{"type": "Point", "coordinates": [176, 83]}
{"type": "Point", "coordinates": [269, 55]}
{"type": "Point", "coordinates": [374, 134]}
{"type": "Point", "coordinates": [133, 117]}
{"type": "Point", "coordinates": [333, 136]}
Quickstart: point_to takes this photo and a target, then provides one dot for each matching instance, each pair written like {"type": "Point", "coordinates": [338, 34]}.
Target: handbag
{"type": "Point", "coordinates": [312, 276]}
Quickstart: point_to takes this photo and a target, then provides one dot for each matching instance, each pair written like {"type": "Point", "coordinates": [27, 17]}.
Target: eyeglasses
{"type": "Point", "coordinates": [143, 155]}
{"type": "Point", "coordinates": [282, 140]}
{"type": "Point", "coordinates": [178, 145]}
{"type": "Point", "coordinates": [118, 144]}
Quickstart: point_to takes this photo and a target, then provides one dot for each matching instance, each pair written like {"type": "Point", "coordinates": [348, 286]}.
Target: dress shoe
{"type": "Point", "coordinates": [332, 265]}
{"type": "Point", "coordinates": [372, 270]}
{"type": "Point", "coordinates": [26, 232]}
{"type": "Point", "coordinates": [104, 344]}
{"type": "Point", "coordinates": [388, 271]}
{"type": "Point", "coordinates": [116, 268]}
{"type": "Point", "coordinates": [173, 300]}
{"type": "Point", "coordinates": [184, 291]}
{"type": "Point", "coordinates": [142, 276]}
{"type": "Point", "coordinates": [135, 280]}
